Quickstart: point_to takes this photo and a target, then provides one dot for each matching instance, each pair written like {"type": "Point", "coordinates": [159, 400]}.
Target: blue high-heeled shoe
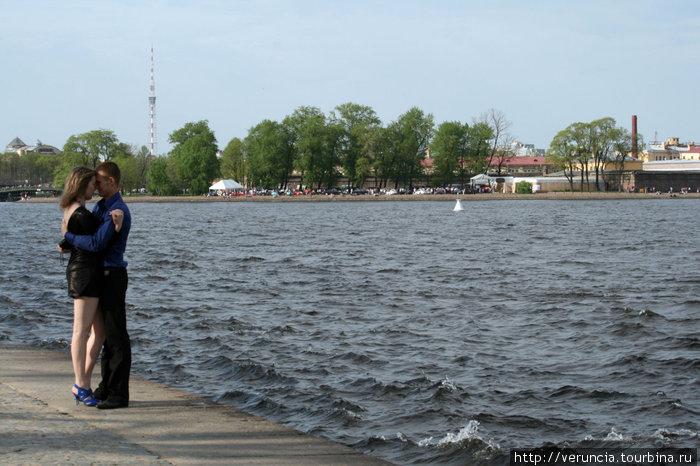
{"type": "Point", "coordinates": [85, 396]}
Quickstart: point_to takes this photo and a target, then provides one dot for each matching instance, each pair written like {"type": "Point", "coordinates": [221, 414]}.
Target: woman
{"type": "Point", "coordinates": [83, 274]}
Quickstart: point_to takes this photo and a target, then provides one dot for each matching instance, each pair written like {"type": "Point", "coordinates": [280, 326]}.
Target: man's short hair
{"type": "Point", "coordinates": [111, 169]}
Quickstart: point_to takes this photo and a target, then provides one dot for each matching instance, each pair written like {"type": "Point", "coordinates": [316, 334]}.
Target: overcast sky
{"type": "Point", "coordinates": [69, 67]}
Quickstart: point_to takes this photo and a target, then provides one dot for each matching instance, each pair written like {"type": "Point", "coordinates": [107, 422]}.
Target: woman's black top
{"type": "Point", "coordinates": [84, 267]}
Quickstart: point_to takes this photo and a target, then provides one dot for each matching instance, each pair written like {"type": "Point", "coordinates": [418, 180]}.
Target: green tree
{"type": "Point", "coordinates": [409, 137]}
{"type": "Point", "coordinates": [500, 139]}
{"type": "Point", "coordinates": [332, 158]}
{"type": "Point", "coordinates": [89, 150]}
{"type": "Point", "coordinates": [622, 146]}
{"type": "Point", "coordinates": [30, 168]}
{"type": "Point", "coordinates": [268, 147]}
{"type": "Point", "coordinates": [308, 126]}
{"type": "Point", "coordinates": [363, 170]}
{"type": "Point", "coordinates": [37, 168]}
{"type": "Point", "coordinates": [358, 123]}
{"type": "Point", "coordinates": [374, 162]}
{"type": "Point", "coordinates": [194, 157]}
{"type": "Point", "coordinates": [478, 148]}
{"type": "Point", "coordinates": [602, 135]}
{"type": "Point", "coordinates": [9, 169]}
{"type": "Point", "coordinates": [143, 160]}
{"type": "Point", "coordinates": [134, 168]}
{"type": "Point", "coordinates": [94, 147]}
{"type": "Point", "coordinates": [160, 176]}
{"type": "Point", "coordinates": [233, 160]}
{"type": "Point", "coordinates": [567, 149]}
{"type": "Point", "coordinates": [449, 152]}
{"type": "Point", "coordinates": [383, 154]}
{"type": "Point", "coordinates": [317, 144]}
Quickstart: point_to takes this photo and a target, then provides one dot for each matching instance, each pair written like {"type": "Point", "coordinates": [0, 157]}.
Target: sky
{"type": "Point", "coordinates": [70, 67]}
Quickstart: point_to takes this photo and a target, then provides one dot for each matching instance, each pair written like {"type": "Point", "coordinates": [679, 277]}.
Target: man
{"type": "Point", "coordinates": [113, 390]}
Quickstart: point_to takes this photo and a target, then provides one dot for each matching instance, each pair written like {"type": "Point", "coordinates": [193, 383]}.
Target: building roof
{"type": "Point", "coordinates": [667, 148]}
{"type": "Point", "coordinates": [532, 161]}
{"type": "Point", "coordinates": [16, 143]}
{"type": "Point", "coordinates": [672, 165]}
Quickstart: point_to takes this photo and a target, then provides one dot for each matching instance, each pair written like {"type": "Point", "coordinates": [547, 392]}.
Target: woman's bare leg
{"type": "Point", "coordinates": [94, 343]}
{"type": "Point", "coordinates": [84, 309]}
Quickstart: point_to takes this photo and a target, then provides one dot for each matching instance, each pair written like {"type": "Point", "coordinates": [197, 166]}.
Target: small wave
{"type": "Point", "coordinates": [251, 370]}
{"type": "Point", "coordinates": [666, 435]}
{"type": "Point", "coordinates": [341, 411]}
{"type": "Point", "coordinates": [57, 344]}
{"type": "Point", "coordinates": [356, 358]}
{"type": "Point", "coordinates": [567, 391]}
{"type": "Point", "coordinates": [612, 436]}
{"type": "Point", "coordinates": [445, 390]}
{"type": "Point", "coordinates": [4, 299]}
{"type": "Point", "coordinates": [447, 385]}
{"type": "Point", "coordinates": [615, 436]}
{"type": "Point", "coordinates": [282, 330]}
{"type": "Point", "coordinates": [217, 362]}
{"type": "Point", "coordinates": [41, 297]}
{"type": "Point", "coordinates": [630, 311]}
{"type": "Point", "coordinates": [401, 388]}
{"type": "Point", "coordinates": [467, 437]}
{"type": "Point", "coordinates": [679, 438]}
{"type": "Point", "coordinates": [252, 259]}
{"type": "Point", "coordinates": [252, 402]}
{"type": "Point", "coordinates": [634, 360]}
{"type": "Point", "coordinates": [389, 271]}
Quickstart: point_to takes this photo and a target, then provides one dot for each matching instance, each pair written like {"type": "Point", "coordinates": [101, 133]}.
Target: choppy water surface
{"type": "Point", "coordinates": [403, 329]}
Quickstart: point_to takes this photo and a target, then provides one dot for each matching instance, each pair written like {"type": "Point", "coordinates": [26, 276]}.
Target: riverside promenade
{"type": "Point", "coordinates": [41, 424]}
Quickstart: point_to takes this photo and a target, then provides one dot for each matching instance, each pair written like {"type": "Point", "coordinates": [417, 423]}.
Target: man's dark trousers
{"type": "Point", "coordinates": [116, 353]}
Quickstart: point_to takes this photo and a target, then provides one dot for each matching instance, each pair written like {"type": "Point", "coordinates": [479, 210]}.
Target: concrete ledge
{"type": "Point", "coordinates": [40, 423]}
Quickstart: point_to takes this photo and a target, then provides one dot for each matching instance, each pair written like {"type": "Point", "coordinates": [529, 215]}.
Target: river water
{"type": "Point", "coordinates": [403, 329]}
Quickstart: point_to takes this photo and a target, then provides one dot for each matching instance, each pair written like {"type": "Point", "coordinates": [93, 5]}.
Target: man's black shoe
{"type": "Point", "coordinates": [99, 394]}
{"type": "Point", "coordinates": [111, 404]}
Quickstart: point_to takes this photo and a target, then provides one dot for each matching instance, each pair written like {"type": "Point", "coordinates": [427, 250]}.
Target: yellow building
{"type": "Point", "coordinates": [631, 164]}
{"type": "Point", "coordinates": [671, 150]}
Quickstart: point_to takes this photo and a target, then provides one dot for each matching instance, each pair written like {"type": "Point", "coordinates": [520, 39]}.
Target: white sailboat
{"type": "Point", "coordinates": [458, 206]}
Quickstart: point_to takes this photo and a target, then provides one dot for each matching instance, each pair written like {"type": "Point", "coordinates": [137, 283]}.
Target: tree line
{"type": "Point", "coordinates": [349, 143]}
{"type": "Point", "coordinates": [582, 149]}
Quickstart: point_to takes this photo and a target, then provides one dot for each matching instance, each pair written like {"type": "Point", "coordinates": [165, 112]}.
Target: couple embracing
{"type": "Point", "coordinates": [97, 282]}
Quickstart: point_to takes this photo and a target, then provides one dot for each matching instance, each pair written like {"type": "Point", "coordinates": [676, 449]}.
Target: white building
{"type": "Point", "coordinates": [18, 146]}
{"type": "Point", "coordinates": [525, 150]}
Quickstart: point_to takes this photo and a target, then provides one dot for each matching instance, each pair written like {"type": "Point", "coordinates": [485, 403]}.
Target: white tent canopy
{"type": "Point", "coordinates": [480, 180]}
{"type": "Point", "coordinates": [226, 185]}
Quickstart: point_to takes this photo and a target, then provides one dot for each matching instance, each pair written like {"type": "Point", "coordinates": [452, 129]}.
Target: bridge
{"type": "Point", "coordinates": [17, 193]}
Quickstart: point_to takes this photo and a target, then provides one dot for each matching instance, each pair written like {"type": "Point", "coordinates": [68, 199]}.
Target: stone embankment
{"type": "Point", "coordinates": [41, 424]}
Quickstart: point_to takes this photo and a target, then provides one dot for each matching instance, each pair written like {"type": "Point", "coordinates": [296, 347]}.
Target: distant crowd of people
{"type": "Point", "coordinates": [686, 190]}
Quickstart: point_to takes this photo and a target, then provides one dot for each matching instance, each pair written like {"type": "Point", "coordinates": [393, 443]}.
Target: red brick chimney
{"type": "Point", "coordinates": [634, 136]}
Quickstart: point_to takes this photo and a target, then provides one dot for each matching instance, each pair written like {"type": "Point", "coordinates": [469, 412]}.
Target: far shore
{"type": "Point", "coordinates": [563, 196]}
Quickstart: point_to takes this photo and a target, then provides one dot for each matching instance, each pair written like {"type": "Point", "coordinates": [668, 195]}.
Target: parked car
{"type": "Point", "coordinates": [357, 191]}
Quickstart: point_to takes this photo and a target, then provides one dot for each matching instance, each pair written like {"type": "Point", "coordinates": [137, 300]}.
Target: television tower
{"type": "Point", "coordinates": [152, 108]}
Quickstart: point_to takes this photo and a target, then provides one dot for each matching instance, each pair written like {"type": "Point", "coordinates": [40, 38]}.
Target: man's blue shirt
{"type": "Point", "coordinates": [105, 239]}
